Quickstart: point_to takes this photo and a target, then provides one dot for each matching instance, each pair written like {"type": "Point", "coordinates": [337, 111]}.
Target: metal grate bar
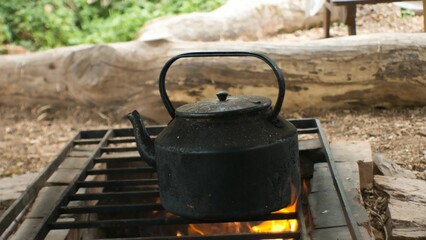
{"type": "Point", "coordinates": [118, 149]}
{"type": "Point", "coordinates": [87, 141]}
{"type": "Point", "coordinates": [92, 134]}
{"type": "Point", "coordinates": [111, 208]}
{"type": "Point", "coordinates": [172, 220]}
{"type": "Point", "coordinates": [122, 140]}
{"type": "Point", "coordinates": [307, 131]}
{"type": "Point", "coordinates": [120, 159]}
{"type": "Point", "coordinates": [117, 183]}
{"type": "Point", "coordinates": [114, 195]}
{"type": "Point", "coordinates": [121, 171]}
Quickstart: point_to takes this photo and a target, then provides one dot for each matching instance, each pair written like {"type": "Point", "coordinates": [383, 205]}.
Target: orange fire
{"type": "Point", "coordinates": [271, 226]}
{"type": "Point", "coordinates": [274, 226]}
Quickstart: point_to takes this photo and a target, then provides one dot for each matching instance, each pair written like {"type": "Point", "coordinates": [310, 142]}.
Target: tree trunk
{"type": "Point", "coordinates": [368, 70]}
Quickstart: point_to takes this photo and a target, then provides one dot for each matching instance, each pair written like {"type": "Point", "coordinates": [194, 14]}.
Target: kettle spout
{"type": "Point", "coordinates": [144, 143]}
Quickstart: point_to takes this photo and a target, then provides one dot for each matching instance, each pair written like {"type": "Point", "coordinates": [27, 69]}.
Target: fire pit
{"type": "Point", "coordinates": [98, 187]}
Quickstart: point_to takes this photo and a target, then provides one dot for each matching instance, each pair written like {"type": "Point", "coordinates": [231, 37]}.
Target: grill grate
{"type": "Point", "coordinates": [87, 178]}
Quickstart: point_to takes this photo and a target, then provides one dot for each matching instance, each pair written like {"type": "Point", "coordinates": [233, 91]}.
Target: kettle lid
{"type": "Point", "coordinates": [224, 105]}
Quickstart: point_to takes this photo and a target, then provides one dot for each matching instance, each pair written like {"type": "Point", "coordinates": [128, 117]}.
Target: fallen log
{"type": "Point", "coordinates": [238, 20]}
{"type": "Point", "coordinates": [367, 70]}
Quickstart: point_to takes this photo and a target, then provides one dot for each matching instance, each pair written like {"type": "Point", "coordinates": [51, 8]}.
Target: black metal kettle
{"type": "Point", "coordinates": [230, 157]}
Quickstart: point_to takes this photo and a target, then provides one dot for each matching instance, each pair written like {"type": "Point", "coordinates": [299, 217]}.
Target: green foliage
{"type": "Point", "coordinates": [405, 13]}
{"type": "Point", "coordinates": [40, 24]}
{"type": "Point", "coordinates": [5, 34]}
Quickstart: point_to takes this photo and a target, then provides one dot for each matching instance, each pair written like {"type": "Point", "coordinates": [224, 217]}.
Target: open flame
{"type": "Point", "coordinates": [290, 225]}
{"type": "Point", "coordinates": [270, 226]}
{"type": "Point", "coordinates": [274, 226]}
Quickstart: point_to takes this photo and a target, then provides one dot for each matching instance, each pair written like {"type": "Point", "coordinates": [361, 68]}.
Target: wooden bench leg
{"type": "Point", "coordinates": [424, 15]}
{"type": "Point", "coordinates": [350, 19]}
{"type": "Point", "coordinates": [326, 22]}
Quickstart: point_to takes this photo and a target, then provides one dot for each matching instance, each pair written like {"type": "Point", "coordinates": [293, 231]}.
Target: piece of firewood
{"type": "Point", "coordinates": [388, 168]}
{"type": "Point", "coordinates": [407, 205]}
{"type": "Point", "coordinates": [408, 233]}
{"type": "Point", "coordinates": [365, 70]}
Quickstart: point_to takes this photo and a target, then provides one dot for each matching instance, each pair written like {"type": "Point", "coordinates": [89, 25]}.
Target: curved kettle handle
{"type": "Point", "coordinates": [267, 60]}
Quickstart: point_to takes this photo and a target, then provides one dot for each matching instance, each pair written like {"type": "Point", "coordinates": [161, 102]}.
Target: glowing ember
{"type": "Point", "coordinates": [218, 228]}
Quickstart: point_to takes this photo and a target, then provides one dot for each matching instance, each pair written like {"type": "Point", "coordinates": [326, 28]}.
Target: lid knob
{"type": "Point", "coordinates": [222, 95]}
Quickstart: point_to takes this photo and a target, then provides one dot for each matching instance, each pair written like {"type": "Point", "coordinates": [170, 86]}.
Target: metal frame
{"type": "Point", "coordinates": [102, 138]}
{"type": "Point", "coordinates": [350, 220]}
{"type": "Point", "coordinates": [353, 226]}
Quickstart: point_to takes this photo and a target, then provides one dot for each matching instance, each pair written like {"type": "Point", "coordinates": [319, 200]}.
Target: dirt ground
{"type": "Point", "coordinates": [31, 137]}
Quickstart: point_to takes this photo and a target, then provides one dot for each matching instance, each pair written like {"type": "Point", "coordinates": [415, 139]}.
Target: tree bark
{"type": "Point", "coordinates": [368, 70]}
